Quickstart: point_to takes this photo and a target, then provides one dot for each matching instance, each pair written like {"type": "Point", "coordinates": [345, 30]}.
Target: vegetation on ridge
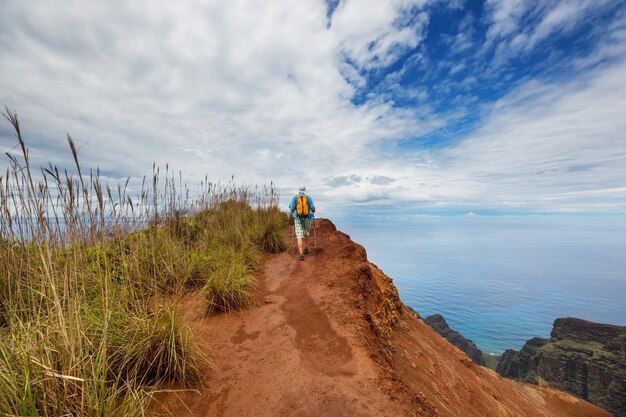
{"type": "Point", "coordinates": [89, 276]}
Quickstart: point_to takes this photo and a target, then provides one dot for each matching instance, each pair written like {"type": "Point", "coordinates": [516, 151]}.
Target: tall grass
{"type": "Point", "coordinates": [89, 272]}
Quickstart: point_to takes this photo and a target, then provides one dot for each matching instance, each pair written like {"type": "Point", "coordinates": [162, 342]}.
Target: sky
{"type": "Point", "coordinates": [509, 106]}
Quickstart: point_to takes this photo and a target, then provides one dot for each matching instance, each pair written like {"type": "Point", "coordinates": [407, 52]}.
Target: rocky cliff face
{"type": "Point", "coordinates": [581, 357]}
{"type": "Point", "coordinates": [439, 324]}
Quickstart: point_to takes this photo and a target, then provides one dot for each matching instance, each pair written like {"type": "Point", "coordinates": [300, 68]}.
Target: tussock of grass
{"type": "Point", "coordinates": [230, 285]}
{"type": "Point", "coordinates": [271, 236]}
{"type": "Point", "coordinates": [156, 347]}
{"type": "Point", "coordinates": [40, 374]}
{"type": "Point", "coordinates": [82, 266]}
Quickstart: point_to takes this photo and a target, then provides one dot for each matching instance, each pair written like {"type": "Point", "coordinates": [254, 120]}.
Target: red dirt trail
{"type": "Point", "coordinates": [330, 337]}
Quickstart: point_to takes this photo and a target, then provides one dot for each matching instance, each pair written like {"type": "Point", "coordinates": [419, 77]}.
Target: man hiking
{"type": "Point", "coordinates": [302, 209]}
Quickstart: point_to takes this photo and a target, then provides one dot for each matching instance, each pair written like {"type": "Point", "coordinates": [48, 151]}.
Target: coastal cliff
{"type": "Point", "coordinates": [330, 336]}
{"type": "Point", "coordinates": [581, 357]}
{"type": "Point", "coordinates": [439, 324]}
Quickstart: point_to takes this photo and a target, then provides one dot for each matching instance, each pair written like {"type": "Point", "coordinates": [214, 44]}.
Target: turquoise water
{"type": "Point", "coordinates": [501, 280]}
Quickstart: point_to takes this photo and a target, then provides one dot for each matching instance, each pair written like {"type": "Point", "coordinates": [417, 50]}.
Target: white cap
{"type": "Point", "coordinates": [302, 188]}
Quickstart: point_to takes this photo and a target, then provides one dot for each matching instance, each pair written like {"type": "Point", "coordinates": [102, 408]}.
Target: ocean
{"type": "Point", "coordinates": [501, 280]}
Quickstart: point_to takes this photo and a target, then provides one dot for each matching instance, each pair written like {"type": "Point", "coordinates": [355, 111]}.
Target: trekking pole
{"type": "Point", "coordinates": [315, 233]}
{"type": "Point", "coordinates": [293, 233]}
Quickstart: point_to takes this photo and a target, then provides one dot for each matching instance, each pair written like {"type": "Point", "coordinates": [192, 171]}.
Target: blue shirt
{"type": "Point", "coordinates": [294, 204]}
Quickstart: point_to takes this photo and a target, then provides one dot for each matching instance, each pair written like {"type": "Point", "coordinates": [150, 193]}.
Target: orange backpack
{"type": "Point", "coordinates": [303, 206]}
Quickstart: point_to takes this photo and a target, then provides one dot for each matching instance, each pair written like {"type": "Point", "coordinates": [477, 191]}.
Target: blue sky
{"type": "Point", "coordinates": [405, 106]}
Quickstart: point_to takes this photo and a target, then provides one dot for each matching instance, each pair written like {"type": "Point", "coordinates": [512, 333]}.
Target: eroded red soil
{"type": "Point", "coordinates": [330, 337]}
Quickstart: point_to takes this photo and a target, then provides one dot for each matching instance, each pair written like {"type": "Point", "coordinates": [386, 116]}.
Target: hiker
{"type": "Point", "coordinates": [302, 209]}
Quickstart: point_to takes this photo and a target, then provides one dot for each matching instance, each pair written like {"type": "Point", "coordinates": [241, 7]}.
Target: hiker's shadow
{"type": "Point", "coordinates": [312, 251]}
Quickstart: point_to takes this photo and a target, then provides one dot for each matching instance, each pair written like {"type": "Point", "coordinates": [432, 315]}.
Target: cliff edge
{"type": "Point", "coordinates": [439, 324]}
{"type": "Point", "coordinates": [584, 358]}
{"type": "Point", "coordinates": [330, 337]}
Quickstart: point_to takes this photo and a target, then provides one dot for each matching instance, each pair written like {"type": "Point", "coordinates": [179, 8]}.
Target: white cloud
{"type": "Point", "coordinates": [264, 91]}
{"type": "Point", "coordinates": [506, 16]}
{"type": "Point", "coordinates": [549, 146]}
{"type": "Point", "coordinates": [456, 68]}
{"type": "Point", "coordinates": [612, 44]}
{"type": "Point", "coordinates": [519, 26]}
{"type": "Point", "coordinates": [562, 17]}
{"type": "Point", "coordinates": [372, 32]}
{"type": "Point", "coordinates": [461, 42]}
{"type": "Point", "coordinates": [202, 86]}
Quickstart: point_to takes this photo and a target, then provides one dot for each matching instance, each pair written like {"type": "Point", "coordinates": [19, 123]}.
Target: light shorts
{"type": "Point", "coordinates": [302, 227]}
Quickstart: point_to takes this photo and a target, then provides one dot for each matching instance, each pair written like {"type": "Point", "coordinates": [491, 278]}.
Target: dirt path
{"type": "Point", "coordinates": [295, 354]}
{"type": "Point", "coordinates": [330, 337]}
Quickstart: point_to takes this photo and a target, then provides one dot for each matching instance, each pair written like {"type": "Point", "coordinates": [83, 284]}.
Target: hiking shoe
{"type": "Point", "coordinates": [306, 250]}
{"type": "Point", "coordinates": [301, 257]}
